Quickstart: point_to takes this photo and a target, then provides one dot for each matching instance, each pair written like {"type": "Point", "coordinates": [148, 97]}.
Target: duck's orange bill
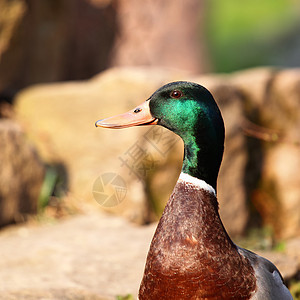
{"type": "Point", "coordinates": [138, 116]}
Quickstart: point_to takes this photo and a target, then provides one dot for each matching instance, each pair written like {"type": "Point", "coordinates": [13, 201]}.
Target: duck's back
{"type": "Point", "coordinates": [268, 279]}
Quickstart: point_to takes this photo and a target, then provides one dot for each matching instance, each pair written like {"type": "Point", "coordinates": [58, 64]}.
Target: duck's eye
{"type": "Point", "coordinates": [176, 94]}
{"type": "Point", "coordinates": [137, 110]}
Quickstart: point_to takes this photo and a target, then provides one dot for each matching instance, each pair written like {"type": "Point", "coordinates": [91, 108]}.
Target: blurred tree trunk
{"type": "Point", "coordinates": [54, 40]}
{"type": "Point", "coordinates": [160, 33]}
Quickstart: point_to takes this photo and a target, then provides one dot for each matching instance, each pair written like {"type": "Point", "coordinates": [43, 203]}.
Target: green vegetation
{"type": "Point", "coordinates": [48, 187]}
{"type": "Point", "coordinates": [259, 239]}
{"type": "Point", "coordinates": [251, 33]}
{"type": "Point", "coordinates": [127, 297]}
{"type": "Point", "coordinates": [295, 290]}
{"type": "Point", "coordinates": [53, 202]}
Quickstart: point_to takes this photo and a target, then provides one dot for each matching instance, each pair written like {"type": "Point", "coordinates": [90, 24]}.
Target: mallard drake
{"type": "Point", "coordinates": [191, 255]}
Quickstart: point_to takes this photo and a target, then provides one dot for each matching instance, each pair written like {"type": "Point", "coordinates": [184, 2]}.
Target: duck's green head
{"type": "Point", "coordinates": [189, 110]}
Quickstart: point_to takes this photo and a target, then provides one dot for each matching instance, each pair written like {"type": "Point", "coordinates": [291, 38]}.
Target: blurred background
{"type": "Point", "coordinates": [72, 40]}
{"type": "Point", "coordinates": [64, 64]}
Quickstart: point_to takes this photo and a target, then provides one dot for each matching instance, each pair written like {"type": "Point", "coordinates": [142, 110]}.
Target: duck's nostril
{"type": "Point", "coordinates": [137, 110]}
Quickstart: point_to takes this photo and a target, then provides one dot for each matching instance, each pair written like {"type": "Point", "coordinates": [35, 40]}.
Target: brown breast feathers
{"type": "Point", "coordinates": [191, 255]}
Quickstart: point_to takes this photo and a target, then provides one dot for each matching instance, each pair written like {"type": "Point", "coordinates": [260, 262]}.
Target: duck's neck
{"type": "Point", "coordinates": [194, 205]}
{"type": "Point", "coordinates": [190, 218]}
{"type": "Point", "coordinates": [202, 158]}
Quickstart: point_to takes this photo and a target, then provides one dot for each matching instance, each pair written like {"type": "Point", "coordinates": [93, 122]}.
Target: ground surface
{"type": "Point", "coordinates": [92, 257]}
{"type": "Point", "coordinates": [86, 257]}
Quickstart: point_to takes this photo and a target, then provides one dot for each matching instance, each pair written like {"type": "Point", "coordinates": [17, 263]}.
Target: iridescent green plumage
{"type": "Point", "coordinates": [196, 118]}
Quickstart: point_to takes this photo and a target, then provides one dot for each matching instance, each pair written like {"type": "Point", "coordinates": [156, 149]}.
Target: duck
{"type": "Point", "coordinates": [191, 255]}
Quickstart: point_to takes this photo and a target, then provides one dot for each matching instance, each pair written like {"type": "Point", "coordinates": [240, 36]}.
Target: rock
{"type": "Point", "coordinates": [93, 256]}
{"type": "Point", "coordinates": [89, 157]}
{"type": "Point", "coordinates": [255, 93]}
{"type": "Point", "coordinates": [71, 139]}
{"type": "Point", "coordinates": [21, 174]}
{"type": "Point", "coordinates": [278, 198]}
{"type": "Point", "coordinates": [293, 249]}
{"type": "Point", "coordinates": [276, 194]}
{"type": "Point", "coordinates": [149, 159]}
